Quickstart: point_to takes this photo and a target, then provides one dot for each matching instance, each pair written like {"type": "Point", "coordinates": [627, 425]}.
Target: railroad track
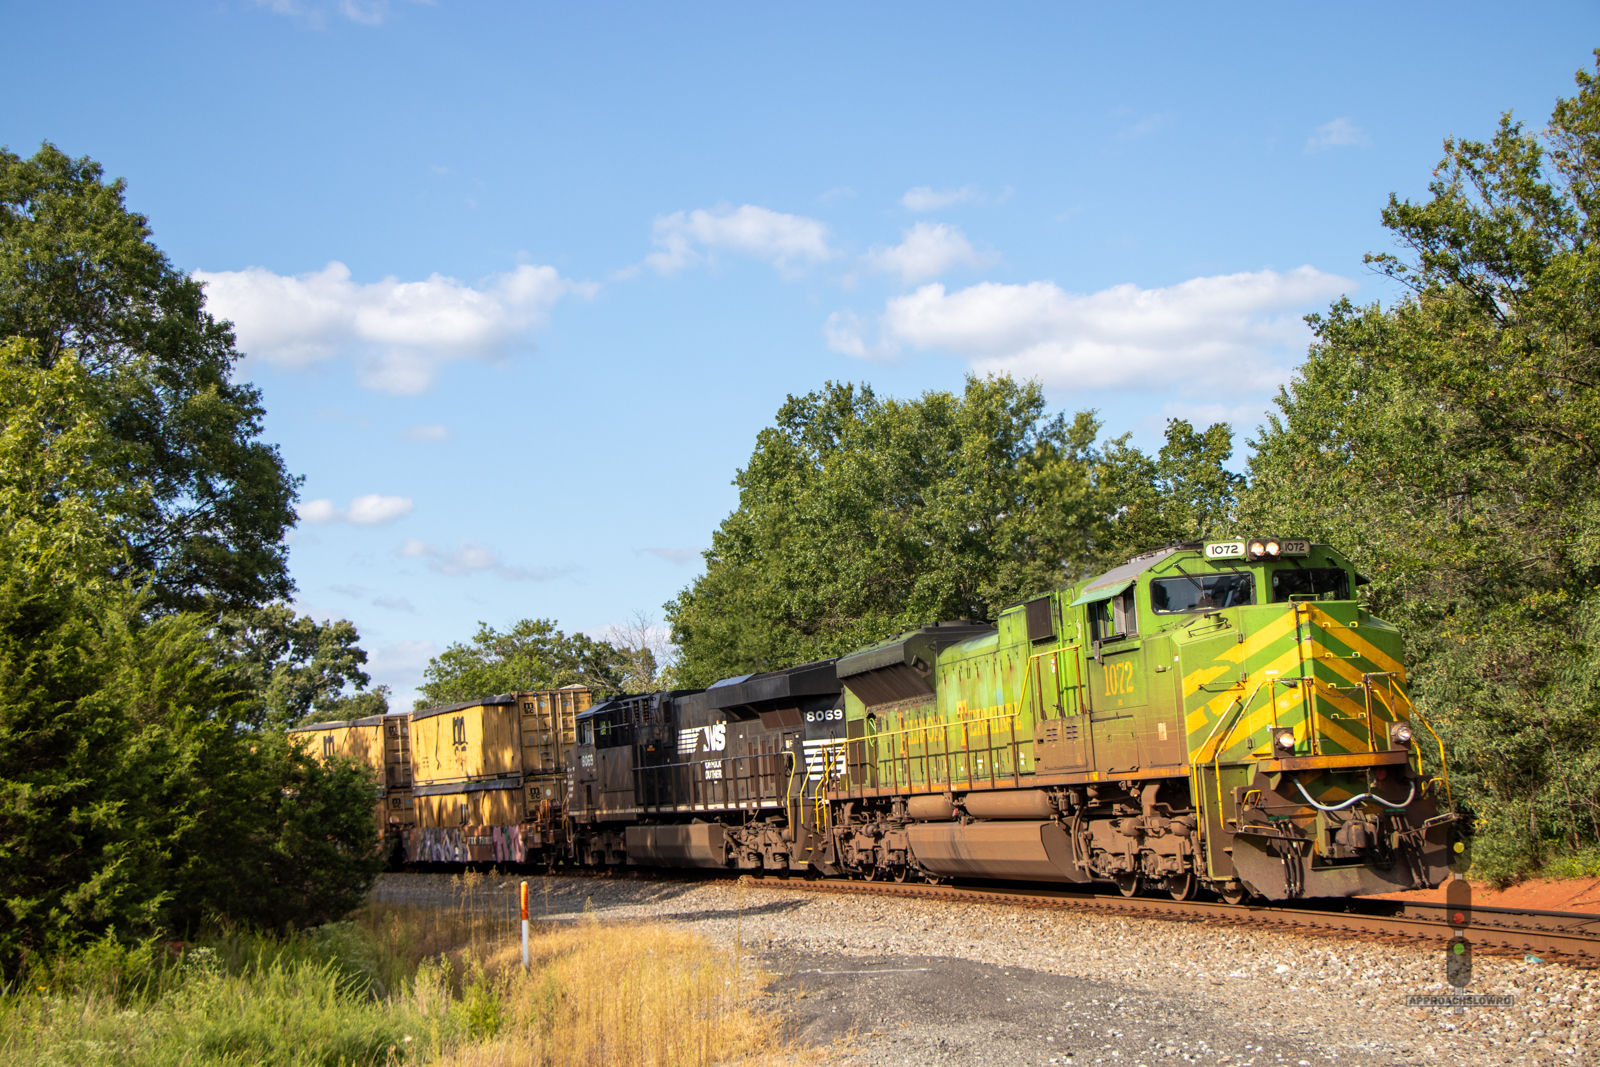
{"type": "Point", "coordinates": [1572, 937]}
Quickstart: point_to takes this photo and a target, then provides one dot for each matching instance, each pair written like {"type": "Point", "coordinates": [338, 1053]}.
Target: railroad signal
{"type": "Point", "coordinates": [1460, 857]}
{"type": "Point", "coordinates": [1458, 963]}
{"type": "Point", "coordinates": [1458, 908]}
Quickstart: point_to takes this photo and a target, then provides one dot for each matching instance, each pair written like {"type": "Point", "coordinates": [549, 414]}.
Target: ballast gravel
{"type": "Point", "coordinates": [892, 982]}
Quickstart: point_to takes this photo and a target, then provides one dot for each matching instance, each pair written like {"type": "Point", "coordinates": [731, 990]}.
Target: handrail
{"type": "Point", "coordinates": [751, 780]}
{"type": "Point", "coordinates": [1216, 762]}
{"type": "Point", "coordinates": [930, 726]}
{"type": "Point", "coordinates": [788, 789]}
{"type": "Point", "coordinates": [947, 753]}
{"type": "Point", "coordinates": [1444, 767]}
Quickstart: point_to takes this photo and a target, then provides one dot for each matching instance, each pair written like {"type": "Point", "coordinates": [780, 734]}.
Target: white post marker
{"type": "Point", "coordinates": [524, 895]}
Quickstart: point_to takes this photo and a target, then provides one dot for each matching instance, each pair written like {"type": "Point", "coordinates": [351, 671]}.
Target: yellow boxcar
{"type": "Point", "coordinates": [362, 740]}
{"type": "Point", "coordinates": [487, 776]}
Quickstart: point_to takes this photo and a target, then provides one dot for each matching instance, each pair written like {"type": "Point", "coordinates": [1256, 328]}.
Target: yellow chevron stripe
{"type": "Point", "coordinates": [1329, 730]}
{"type": "Point", "coordinates": [1202, 676]}
{"type": "Point", "coordinates": [1237, 653]}
{"type": "Point", "coordinates": [1352, 639]}
{"type": "Point", "coordinates": [1197, 719]}
{"type": "Point", "coordinates": [1332, 731]}
{"type": "Point", "coordinates": [1276, 707]}
{"type": "Point", "coordinates": [1341, 702]}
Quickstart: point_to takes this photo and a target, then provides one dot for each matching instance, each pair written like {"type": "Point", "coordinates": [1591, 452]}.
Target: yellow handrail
{"type": "Point", "coordinates": [1444, 768]}
{"type": "Point", "coordinates": [943, 729]}
{"type": "Point", "coordinates": [1216, 762]}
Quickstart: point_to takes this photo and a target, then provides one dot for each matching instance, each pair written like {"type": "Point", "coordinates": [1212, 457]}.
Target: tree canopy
{"type": "Point", "coordinates": [1450, 443]}
{"type": "Point", "coordinates": [298, 668]}
{"type": "Point", "coordinates": [860, 517]}
{"type": "Point", "coordinates": [147, 785]}
{"type": "Point", "coordinates": [532, 654]}
{"type": "Point", "coordinates": [81, 279]}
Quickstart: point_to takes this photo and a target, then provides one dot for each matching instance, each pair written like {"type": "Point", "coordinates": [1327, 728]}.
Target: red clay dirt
{"type": "Point", "coordinates": [1539, 894]}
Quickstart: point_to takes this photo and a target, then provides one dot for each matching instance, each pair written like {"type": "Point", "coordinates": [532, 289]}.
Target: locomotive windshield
{"type": "Point", "coordinates": [1201, 592]}
{"type": "Point", "coordinates": [1331, 583]}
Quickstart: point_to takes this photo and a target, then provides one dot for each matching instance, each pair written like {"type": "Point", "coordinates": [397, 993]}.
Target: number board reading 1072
{"type": "Point", "coordinates": [1236, 549]}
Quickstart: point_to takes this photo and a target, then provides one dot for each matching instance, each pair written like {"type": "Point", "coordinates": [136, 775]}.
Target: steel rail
{"type": "Point", "coordinates": [1574, 937]}
{"type": "Point", "coordinates": [1567, 936]}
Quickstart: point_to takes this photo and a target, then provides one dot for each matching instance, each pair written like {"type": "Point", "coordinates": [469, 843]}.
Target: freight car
{"type": "Point", "coordinates": [489, 778]}
{"type": "Point", "coordinates": [379, 742]}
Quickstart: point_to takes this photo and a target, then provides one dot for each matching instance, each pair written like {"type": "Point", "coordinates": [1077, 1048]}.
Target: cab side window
{"type": "Point", "coordinates": [1316, 583]}
{"type": "Point", "coordinates": [1114, 617]}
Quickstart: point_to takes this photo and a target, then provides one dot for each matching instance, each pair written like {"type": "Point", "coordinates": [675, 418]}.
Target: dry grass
{"type": "Point", "coordinates": [644, 994]}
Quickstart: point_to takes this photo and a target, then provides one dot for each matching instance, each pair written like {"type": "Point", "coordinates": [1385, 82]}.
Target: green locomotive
{"type": "Point", "coordinates": [1221, 714]}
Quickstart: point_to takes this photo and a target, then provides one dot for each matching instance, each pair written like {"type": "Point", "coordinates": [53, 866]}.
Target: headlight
{"type": "Point", "coordinates": [1268, 549]}
{"type": "Point", "coordinates": [1400, 733]}
{"type": "Point", "coordinates": [1284, 739]}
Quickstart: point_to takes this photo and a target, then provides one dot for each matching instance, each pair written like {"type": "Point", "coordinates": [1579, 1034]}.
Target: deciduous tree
{"type": "Point", "coordinates": [81, 279]}
{"type": "Point", "coordinates": [1450, 441]}
{"type": "Point", "coordinates": [533, 654]}
{"type": "Point", "coordinates": [860, 517]}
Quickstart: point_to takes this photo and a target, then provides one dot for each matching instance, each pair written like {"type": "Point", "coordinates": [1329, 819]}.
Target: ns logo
{"type": "Point", "coordinates": [713, 738]}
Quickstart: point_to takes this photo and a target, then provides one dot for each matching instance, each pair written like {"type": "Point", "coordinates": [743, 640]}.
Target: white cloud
{"type": "Point", "coordinates": [366, 12]}
{"type": "Point", "coordinates": [400, 666]}
{"type": "Point", "coordinates": [1340, 133]}
{"type": "Point", "coordinates": [426, 433]}
{"type": "Point", "coordinates": [472, 558]}
{"type": "Point", "coordinates": [926, 251]}
{"type": "Point", "coordinates": [788, 242]}
{"type": "Point", "coordinates": [404, 331]}
{"type": "Point", "coordinates": [357, 592]}
{"type": "Point", "coordinates": [1234, 324]}
{"type": "Point", "coordinates": [368, 510]}
{"type": "Point", "coordinates": [846, 333]}
{"type": "Point", "coordinates": [674, 555]}
{"type": "Point", "coordinates": [926, 198]}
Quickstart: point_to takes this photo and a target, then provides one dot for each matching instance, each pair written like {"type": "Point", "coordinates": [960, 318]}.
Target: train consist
{"type": "Point", "coordinates": [1218, 717]}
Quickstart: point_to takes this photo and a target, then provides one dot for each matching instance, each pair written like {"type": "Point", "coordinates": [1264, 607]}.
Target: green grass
{"type": "Point", "coordinates": [394, 986]}
{"type": "Point", "coordinates": [314, 999]}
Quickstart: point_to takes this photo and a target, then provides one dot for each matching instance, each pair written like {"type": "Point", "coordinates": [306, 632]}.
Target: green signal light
{"type": "Point", "coordinates": [1460, 948]}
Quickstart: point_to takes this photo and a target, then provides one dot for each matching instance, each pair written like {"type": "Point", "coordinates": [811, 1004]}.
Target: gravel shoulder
{"type": "Point", "coordinates": [980, 983]}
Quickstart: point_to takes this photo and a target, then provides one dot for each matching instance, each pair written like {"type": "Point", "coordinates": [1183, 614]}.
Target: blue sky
{"type": "Point", "coordinates": [520, 283]}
